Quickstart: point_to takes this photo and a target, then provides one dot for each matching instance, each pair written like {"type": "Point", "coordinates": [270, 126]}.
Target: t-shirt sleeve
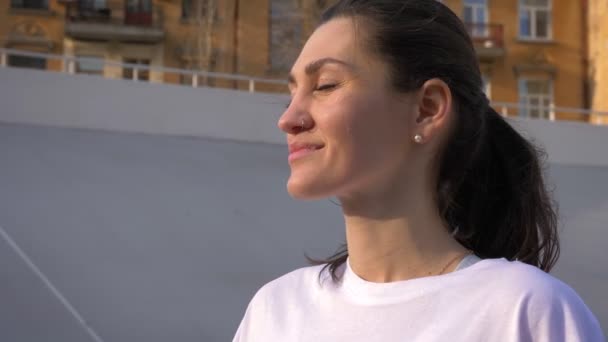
{"type": "Point", "coordinates": [556, 313]}
{"type": "Point", "coordinates": [253, 323]}
{"type": "Point", "coordinates": [239, 336]}
{"type": "Point", "coordinates": [243, 330]}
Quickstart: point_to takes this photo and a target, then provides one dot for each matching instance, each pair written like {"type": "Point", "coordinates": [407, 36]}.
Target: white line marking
{"type": "Point", "coordinates": [49, 285]}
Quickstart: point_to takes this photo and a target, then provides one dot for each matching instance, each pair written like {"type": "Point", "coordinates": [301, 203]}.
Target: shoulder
{"type": "Point", "coordinates": [274, 302]}
{"type": "Point", "coordinates": [538, 301]}
{"type": "Point", "coordinates": [293, 286]}
{"type": "Point", "coordinates": [282, 304]}
{"type": "Point", "coordinates": [515, 278]}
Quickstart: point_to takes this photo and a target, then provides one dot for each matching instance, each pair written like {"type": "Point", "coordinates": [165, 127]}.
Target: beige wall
{"type": "Point", "coordinates": [598, 57]}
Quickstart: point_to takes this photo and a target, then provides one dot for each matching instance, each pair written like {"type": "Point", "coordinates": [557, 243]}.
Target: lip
{"type": "Point", "coordinates": [299, 150]}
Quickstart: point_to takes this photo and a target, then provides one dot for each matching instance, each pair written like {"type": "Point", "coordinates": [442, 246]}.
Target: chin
{"type": "Point", "coordinates": [307, 189]}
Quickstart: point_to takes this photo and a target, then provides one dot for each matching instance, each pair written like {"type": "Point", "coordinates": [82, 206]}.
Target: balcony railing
{"type": "Point", "coordinates": [122, 20]}
{"type": "Point", "coordinates": [231, 81]}
{"type": "Point", "coordinates": [488, 39]}
{"type": "Point", "coordinates": [127, 12]}
{"type": "Point", "coordinates": [30, 4]}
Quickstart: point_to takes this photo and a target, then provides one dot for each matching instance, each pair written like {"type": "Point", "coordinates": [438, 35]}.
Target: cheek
{"type": "Point", "coordinates": [360, 128]}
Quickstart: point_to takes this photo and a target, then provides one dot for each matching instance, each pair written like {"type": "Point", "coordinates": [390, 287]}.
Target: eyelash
{"type": "Point", "coordinates": [324, 87]}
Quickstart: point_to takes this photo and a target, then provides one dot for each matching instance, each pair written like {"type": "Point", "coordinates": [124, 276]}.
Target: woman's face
{"type": "Point", "coordinates": [348, 131]}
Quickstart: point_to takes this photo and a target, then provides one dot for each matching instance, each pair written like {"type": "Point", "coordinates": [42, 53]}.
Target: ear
{"type": "Point", "coordinates": [434, 109]}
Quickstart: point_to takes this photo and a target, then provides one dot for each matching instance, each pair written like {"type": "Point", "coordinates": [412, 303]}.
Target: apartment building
{"type": "Point", "coordinates": [218, 35]}
{"type": "Point", "coordinates": [531, 52]}
{"type": "Point", "coordinates": [534, 54]}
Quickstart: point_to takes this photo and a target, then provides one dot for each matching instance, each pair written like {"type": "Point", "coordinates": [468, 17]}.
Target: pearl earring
{"type": "Point", "coordinates": [418, 138]}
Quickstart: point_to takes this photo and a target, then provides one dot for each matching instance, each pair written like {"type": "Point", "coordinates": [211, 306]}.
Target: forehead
{"type": "Point", "coordinates": [334, 39]}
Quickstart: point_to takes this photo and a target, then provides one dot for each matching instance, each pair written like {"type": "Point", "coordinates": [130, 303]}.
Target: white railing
{"type": "Point", "coordinates": [552, 112]}
{"type": "Point", "coordinates": [69, 66]}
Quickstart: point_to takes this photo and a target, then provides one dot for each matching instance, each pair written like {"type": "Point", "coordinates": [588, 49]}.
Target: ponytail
{"type": "Point", "coordinates": [495, 197]}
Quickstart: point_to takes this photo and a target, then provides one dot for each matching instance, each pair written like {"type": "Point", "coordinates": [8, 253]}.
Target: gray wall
{"type": "Point", "coordinates": [118, 105]}
{"type": "Point", "coordinates": [121, 105]}
{"type": "Point", "coordinates": [156, 237]}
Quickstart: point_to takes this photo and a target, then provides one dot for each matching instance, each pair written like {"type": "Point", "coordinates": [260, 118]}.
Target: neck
{"type": "Point", "coordinates": [391, 237]}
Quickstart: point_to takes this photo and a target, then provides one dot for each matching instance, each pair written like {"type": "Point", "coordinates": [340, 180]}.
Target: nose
{"type": "Point", "coordinates": [295, 119]}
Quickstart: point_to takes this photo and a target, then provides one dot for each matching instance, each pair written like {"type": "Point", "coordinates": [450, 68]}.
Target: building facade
{"type": "Point", "coordinates": [534, 54]}
{"type": "Point", "coordinates": [215, 35]}
{"type": "Point", "coordinates": [531, 53]}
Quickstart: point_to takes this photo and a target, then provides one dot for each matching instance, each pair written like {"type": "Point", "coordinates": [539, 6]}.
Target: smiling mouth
{"type": "Point", "coordinates": [303, 152]}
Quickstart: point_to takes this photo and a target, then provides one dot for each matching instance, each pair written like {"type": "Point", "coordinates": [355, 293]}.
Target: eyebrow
{"type": "Point", "coordinates": [314, 66]}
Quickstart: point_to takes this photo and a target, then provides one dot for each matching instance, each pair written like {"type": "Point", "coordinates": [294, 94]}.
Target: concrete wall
{"type": "Point", "coordinates": [85, 101]}
{"type": "Point", "coordinates": [166, 238]}
{"type": "Point", "coordinates": [93, 102]}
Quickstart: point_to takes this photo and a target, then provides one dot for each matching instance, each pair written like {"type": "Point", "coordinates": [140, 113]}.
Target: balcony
{"type": "Point", "coordinates": [488, 40]}
{"type": "Point", "coordinates": [40, 5]}
{"type": "Point", "coordinates": [117, 20]}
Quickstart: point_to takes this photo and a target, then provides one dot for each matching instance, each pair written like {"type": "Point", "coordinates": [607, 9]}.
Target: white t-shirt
{"type": "Point", "coordinates": [491, 300]}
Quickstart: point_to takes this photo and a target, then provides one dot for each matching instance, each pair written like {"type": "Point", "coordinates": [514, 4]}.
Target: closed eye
{"type": "Point", "coordinates": [326, 87]}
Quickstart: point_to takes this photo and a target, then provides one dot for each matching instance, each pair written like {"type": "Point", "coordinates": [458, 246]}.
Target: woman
{"type": "Point", "coordinates": [440, 195]}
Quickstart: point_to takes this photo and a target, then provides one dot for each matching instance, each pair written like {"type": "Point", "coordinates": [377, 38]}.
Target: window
{"type": "Point", "coordinates": [92, 65]}
{"type": "Point", "coordinates": [27, 62]}
{"type": "Point", "coordinates": [32, 4]}
{"type": "Point", "coordinates": [535, 19]}
{"type": "Point", "coordinates": [138, 12]}
{"type": "Point", "coordinates": [476, 17]}
{"type": "Point", "coordinates": [93, 9]}
{"type": "Point", "coordinates": [92, 4]}
{"type": "Point", "coordinates": [186, 79]}
{"type": "Point", "coordinates": [191, 8]}
{"type": "Point", "coordinates": [285, 34]}
{"type": "Point", "coordinates": [128, 72]}
{"type": "Point", "coordinates": [139, 6]}
{"type": "Point", "coordinates": [536, 98]}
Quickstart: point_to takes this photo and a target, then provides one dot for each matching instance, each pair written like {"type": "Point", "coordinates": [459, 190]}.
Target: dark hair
{"type": "Point", "coordinates": [490, 189]}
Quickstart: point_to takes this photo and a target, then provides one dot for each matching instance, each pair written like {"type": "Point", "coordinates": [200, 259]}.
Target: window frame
{"type": "Point", "coordinates": [475, 32]}
{"type": "Point", "coordinates": [533, 11]}
{"type": "Point", "coordinates": [91, 57]}
{"type": "Point", "coordinates": [524, 98]}
{"type": "Point", "coordinates": [128, 72]}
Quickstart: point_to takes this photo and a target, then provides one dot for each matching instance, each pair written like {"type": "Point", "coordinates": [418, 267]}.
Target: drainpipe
{"type": "Point", "coordinates": [585, 60]}
{"type": "Point", "coordinates": [235, 40]}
